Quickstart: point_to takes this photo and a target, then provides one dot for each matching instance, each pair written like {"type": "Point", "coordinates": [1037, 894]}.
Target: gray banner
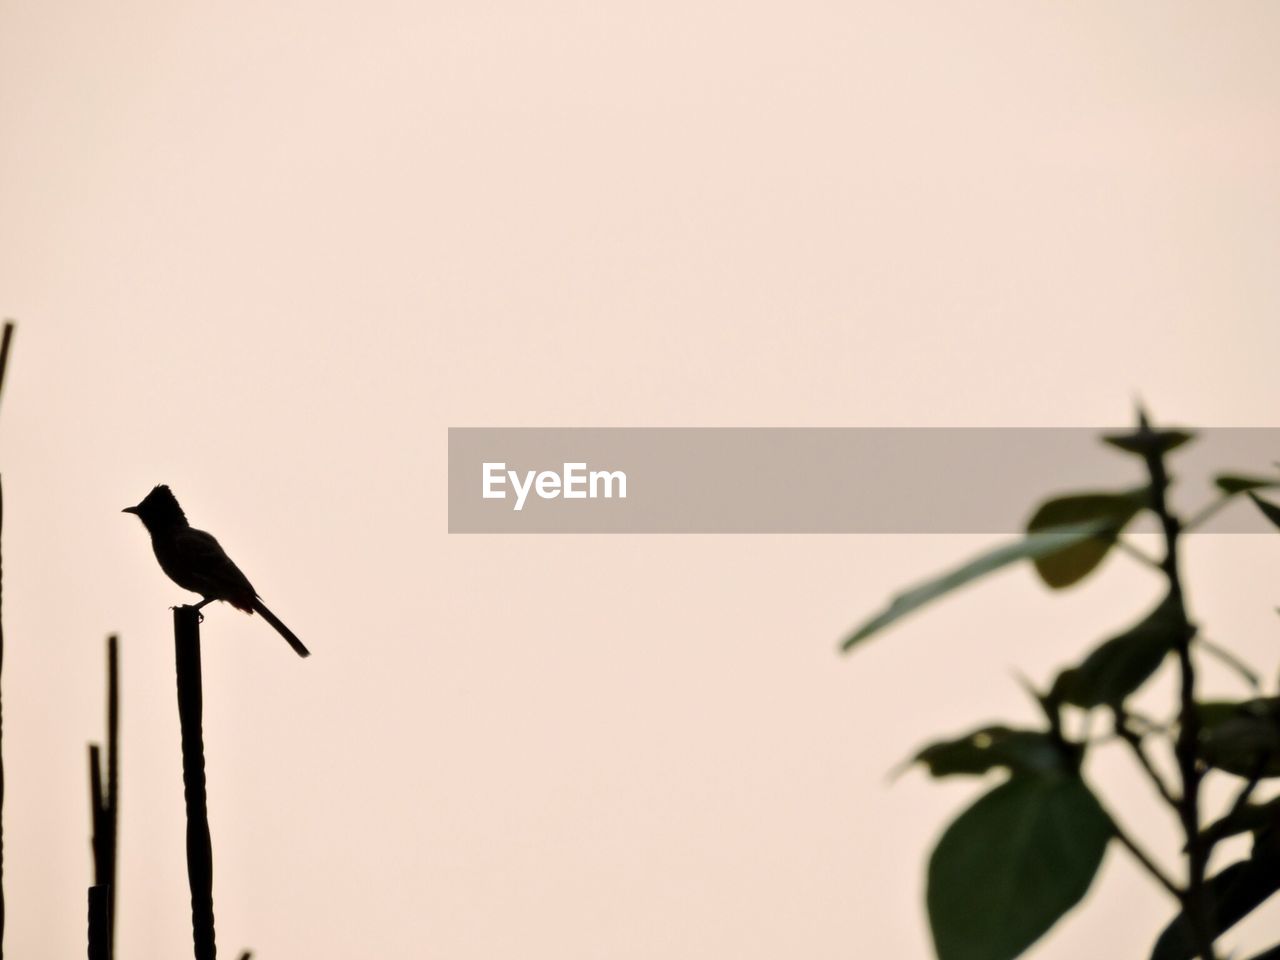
{"type": "Point", "coordinates": [816, 480]}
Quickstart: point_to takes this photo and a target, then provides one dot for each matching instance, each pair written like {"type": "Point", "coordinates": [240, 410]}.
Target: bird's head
{"type": "Point", "coordinates": [159, 510]}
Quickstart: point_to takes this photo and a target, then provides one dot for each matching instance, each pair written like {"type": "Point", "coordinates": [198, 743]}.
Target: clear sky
{"type": "Point", "coordinates": [268, 253]}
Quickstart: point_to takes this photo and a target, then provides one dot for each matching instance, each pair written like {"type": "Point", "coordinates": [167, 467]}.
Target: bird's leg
{"type": "Point", "coordinates": [196, 607]}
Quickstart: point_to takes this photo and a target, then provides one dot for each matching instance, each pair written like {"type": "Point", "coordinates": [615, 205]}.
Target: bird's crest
{"type": "Point", "coordinates": [161, 505]}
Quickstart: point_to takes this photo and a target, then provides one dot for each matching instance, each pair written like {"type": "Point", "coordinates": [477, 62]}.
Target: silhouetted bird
{"type": "Point", "coordinates": [195, 561]}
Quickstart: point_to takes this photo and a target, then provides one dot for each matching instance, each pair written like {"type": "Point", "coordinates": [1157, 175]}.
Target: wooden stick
{"type": "Point", "coordinates": [186, 635]}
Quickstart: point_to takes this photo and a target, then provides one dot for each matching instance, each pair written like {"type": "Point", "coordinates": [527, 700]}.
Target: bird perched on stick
{"type": "Point", "coordinates": [195, 561]}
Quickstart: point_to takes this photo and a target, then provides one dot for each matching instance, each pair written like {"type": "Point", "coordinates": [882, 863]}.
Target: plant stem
{"type": "Point", "coordinates": [1137, 553]}
{"type": "Point", "coordinates": [6, 341]}
{"type": "Point", "coordinates": [100, 891]}
{"type": "Point", "coordinates": [1143, 858]}
{"type": "Point", "coordinates": [112, 795]}
{"type": "Point", "coordinates": [1195, 901]}
{"type": "Point", "coordinates": [1121, 724]}
{"type": "Point", "coordinates": [1229, 659]}
{"type": "Point", "coordinates": [1203, 516]}
{"type": "Point", "coordinates": [1212, 836]}
{"type": "Point", "coordinates": [99, 924]}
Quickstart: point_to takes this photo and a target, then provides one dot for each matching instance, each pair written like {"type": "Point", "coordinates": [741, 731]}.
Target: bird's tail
{"type": "Point", "coordinates": [271, 618]}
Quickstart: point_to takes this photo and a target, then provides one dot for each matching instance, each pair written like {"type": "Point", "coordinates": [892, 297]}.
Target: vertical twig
{"type": "Point", "coordinates": [99, 924]}
{"type": "Point", "coordinates": [100, 891]}
{"type": "Point", "coordinates": [97, 808]}
{"type": "Point", "coordinates": [186, 636]}
{"type": "Point", "coordinates": [112, 819]}
{"type": "Point", "coordinates": [104, 804]}
{"type": "Point", "coordinates": [1195, 901]}
{"type": "Point", "coordinates": [5, 341]}
{"type": "Point", "coordinates": [1120, 723]}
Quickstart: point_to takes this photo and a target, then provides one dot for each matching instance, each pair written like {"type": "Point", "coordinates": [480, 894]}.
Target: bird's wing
{"type": "Point", "coordinates": [208, 563]}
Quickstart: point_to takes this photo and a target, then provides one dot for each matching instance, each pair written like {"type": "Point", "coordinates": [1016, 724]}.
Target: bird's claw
{"type": "Point", "coordinates": [187, 606]}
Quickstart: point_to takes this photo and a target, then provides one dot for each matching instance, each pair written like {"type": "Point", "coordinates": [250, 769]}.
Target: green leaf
{"type": "Point", "coordinates": [1034, 545]}
{"type": "Point", "coordinates": [1233, 895]}
{"type": "Point", "coordinates": [1241, 738]}
{"type": "Point", "coordinates": [1269, 510]}
{"type": "Point", "coordinates": [1111, 510]}
{"type": "Point", "coordinates": [1028, 751]}
{"type": "Point", "coordinates": [1233, 483]}
{"type": "Point", "coordinates": [1250, 818]}
{"type": "Point", "coordinates": [1012, 864]}
{"type": "Point", "coordinates": [1212, 712]}
{"type": "Point", "coordinates": [1143, 441]}
{"type": "Point", "coordinates": [1122, 664]}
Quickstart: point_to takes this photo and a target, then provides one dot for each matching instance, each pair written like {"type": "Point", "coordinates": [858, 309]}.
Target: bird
{"type": "Point", "coordinates": [195, 561]}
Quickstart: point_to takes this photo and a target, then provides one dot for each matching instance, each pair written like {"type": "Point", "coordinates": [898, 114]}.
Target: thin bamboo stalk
{"type": "Point", "coordinates": [99, 923]}
{"type": "Point", "coordinates": [112, 818]}
{"type": "Point", "coordinates": [104, 804]}
{"type": "Point", "coordinates": [96, 808]}
{"type": "Point", "coordinates": [6, 340]}
{"type": "Point", "coordinates": [100, 891]}
{"type": "Point", "coordinates": [2, 719]}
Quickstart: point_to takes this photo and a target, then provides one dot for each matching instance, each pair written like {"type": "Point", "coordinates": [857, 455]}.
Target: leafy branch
{"type": "Point", "coordinates": [1016, 861]}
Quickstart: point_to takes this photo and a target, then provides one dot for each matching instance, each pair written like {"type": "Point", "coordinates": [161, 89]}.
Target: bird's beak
{"type": "Point", "coordinates": [133, 510]}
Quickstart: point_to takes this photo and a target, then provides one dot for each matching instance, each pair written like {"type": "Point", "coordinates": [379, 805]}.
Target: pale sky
{"type": "Point", "coordinates": [268, 254]}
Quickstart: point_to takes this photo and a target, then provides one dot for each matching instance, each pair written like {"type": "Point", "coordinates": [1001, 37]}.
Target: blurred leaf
{"type": "Point", "coordinates": [1233, 894]}
{"type": "Point", "coordinates": [1212, 712]}
{"type": "Point", "coordinates": [1029, 751]}
{"type": "Point", "coordinates": [1012, 864]}
{"type": "Point", "coordinates": [1233, 483]}
{"type": "Point", "coordinates": [1250, 818]}
{"type": "Point", "coordinates": [1143, 441]}
{"type": "Point", "coordinates": [1269, 510]}
{"type": "Point", "coordinates": [1122, 664]}
{"type": "Point", "coordinates": [1033, 545]}
{"type": "Point", "coordinates": [1110, 510]}
{"type": "Point", "coordinates": [1241, 738]}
